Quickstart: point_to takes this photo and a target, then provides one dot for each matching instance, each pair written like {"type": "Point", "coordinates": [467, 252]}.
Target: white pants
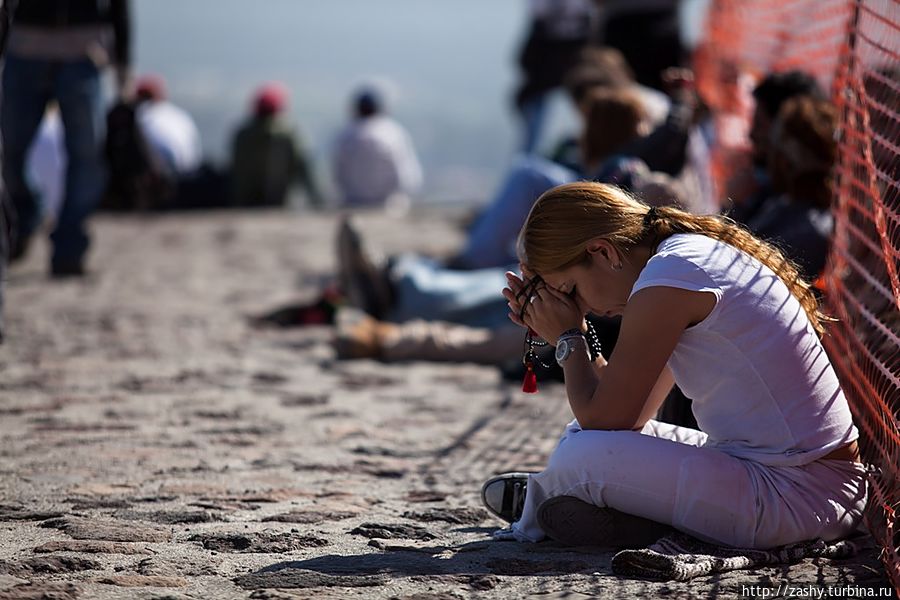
{"type": "Point", "coordinates": [663, 473]}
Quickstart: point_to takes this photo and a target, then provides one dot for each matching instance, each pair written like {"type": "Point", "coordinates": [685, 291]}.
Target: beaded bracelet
{"type": "Point", "coordinates": [593, 342]}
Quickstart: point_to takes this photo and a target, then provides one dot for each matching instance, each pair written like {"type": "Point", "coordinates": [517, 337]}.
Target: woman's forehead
{"type": "Point", "coordinates": [557, 278]}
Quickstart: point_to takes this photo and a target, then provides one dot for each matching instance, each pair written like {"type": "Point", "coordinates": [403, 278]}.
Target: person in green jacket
{"type": "Point", "coordinates": [268, 156]}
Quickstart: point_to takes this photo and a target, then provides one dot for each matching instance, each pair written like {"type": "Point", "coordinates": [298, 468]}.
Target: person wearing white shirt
{"type": "Point", "coordinates": [45, 164]}
{"type": "Point", "coordinates": [169, 130]}
{"type": "Point", "coordinates": [375, 163]}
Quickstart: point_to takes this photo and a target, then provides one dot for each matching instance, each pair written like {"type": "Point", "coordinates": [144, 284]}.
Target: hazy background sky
{"type": "Point", "coordinates": [449, 66]}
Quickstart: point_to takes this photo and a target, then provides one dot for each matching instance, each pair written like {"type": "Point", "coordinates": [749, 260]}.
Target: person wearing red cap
{"type": "Point", "coordinates": [268, 155]}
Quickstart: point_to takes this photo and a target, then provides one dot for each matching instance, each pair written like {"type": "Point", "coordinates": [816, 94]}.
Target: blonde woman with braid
{"type": "Point", "coordinates": [726, 316]}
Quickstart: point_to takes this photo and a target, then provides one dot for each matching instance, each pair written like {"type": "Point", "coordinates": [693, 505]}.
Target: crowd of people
{"type": "Point", "coordinates": [663, 299]}
{"type": "Point", "coordinates": [69, 149]}
{"type": "Point", "coordinates": [686, 325]}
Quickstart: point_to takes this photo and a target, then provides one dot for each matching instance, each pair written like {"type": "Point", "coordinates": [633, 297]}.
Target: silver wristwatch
{"type": "Point", "coordinates": [566, 345]}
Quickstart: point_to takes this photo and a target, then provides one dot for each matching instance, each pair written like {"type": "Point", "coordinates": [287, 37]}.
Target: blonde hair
{"type": "Point", "coordinates": [564, 219]}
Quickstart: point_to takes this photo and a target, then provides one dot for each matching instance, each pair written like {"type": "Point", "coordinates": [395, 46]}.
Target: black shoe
{"type": "Point", "coordinates": [573, 522]}
{"type": "Point", "coordinates": [66, 269]}
{"type": "Point", "coordinates": [504, 495]}
{"type": "Point", "coordinates": [365, 286]}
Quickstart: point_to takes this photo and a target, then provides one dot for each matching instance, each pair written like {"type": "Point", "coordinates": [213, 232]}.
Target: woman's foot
{"type": "Point", "coordinates": [573, 522]}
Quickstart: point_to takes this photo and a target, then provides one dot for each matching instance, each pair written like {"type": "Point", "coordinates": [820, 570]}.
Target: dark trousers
{"type": "Point", "coordinates": [6, 229]}
{"type": "Point", "coordinates": [28, 85]}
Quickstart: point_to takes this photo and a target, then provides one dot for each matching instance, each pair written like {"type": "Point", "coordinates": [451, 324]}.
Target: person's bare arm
{"type": "Point", "coordinates": [635, 381]}
{"type": "Point", "coordinates": [658, 395]}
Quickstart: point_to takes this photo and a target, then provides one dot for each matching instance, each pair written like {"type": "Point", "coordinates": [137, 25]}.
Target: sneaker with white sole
{"type": "Point", "coordinates": [573, 522]}
{"type": "Point", "coordinates": [504, 495]}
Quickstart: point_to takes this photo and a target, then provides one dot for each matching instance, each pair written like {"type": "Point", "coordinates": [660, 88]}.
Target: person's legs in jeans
{"type": "Point", "coordinates": [27, 87]}
{"type": "Point", "coordinates": [425, 289]}
{"type": "Point", "coordinates": [79, 92]}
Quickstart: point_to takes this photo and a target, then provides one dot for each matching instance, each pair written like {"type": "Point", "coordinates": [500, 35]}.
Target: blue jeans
{"type": "Point", "coordinates": [427, 290]}
{"type": "Point", "coordinates": [5, 227]}
{"type": "Point", "coordinates": [492, 241]}
{"type": "Point", "coordinates": [28, 85]}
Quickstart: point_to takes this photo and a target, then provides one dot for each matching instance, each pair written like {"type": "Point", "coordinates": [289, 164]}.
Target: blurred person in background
{"type": "Point", "coordinates": [268, 155]}
{"type": "Point", "coordinates": [58, 50]}
{"type": "Point", "coordinates": [769, 95]}
{"type": "Point", "coordinates": [603, 67]}
{"type": "Point", "coordinates": [464, 289]}
{"type": "Point", "coordinates": [6, 9]}
{"type": "Point", "coordinates": [433, 337]}
{"type": "Point", "coordinates": [174, 149]}
{"type": "Point", "coordinates": [155, 155]}
{"type": "Point", "coordinates": [45, 164]}
{"type": "Point", "coordinates": [375, 163]}
{"type": "Point", "coordinates": [802, 151]}
{"type": "Point", "coordinates": [170, 131]}
{"type": "Point", "coordinates": [675, 144]}
{"type": "Point", "coordinates": [614, 116]}
{"type": "Point", "coordinates": [647, 32]}
{"type": "Point", "coordinates": [558, 31]}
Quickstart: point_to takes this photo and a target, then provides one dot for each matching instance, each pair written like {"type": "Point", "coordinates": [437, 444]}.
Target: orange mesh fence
{"type": "Point", "coordinates": [853, 48]}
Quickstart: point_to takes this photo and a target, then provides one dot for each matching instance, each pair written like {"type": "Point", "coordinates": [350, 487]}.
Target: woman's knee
{"type": "Point", "coordinates": [589, 449]}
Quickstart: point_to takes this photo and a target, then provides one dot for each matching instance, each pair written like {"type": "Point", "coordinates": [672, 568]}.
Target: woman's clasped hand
{"type": "Point", "coordinates": [547, 311]}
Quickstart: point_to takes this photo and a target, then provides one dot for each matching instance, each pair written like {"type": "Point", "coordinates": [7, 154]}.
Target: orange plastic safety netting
{"type": "Point", "coordinates": [853, 48]}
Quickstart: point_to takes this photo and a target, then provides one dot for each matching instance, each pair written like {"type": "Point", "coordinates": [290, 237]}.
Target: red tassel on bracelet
{"type": "Point", "coordinates": [529, 385]}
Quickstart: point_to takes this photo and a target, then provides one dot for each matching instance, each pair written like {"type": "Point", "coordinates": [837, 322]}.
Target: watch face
{"type": "Point", "coordinates": [562, 350]}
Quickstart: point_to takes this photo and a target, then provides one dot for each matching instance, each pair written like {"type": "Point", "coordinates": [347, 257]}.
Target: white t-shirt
{"type": "Point", "coordinates": [172, 135]}
{"type": "Point", "coordinates": [375, 159]}
{"type": "Point", "coordinates": [761, 384]}
{"type": "Point", "coordinates": [45, 163]}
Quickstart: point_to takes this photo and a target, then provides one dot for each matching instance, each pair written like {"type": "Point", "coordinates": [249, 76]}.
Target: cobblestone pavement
{"type": "Point", "coordinates": [153, 444]}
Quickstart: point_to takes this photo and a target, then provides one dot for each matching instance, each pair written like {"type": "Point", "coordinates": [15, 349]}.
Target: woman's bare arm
{"type": "Point", "coordinates": [633, 384]}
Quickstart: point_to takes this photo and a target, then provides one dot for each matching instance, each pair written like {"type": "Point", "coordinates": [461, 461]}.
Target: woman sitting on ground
{"type": "Point", "coordinates": [726, 316]}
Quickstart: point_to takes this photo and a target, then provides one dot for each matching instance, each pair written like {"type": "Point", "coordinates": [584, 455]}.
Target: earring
{"type": "Point", "coordinates": [617, 267]}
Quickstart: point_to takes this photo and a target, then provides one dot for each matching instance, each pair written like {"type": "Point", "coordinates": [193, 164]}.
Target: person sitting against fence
{"type": "Point", "coordinates": [269, 156]}
{"type": "Point", "coordinates": [706, 304]}
{"type": "Point", "coordinates": [375, 163]}
{"type": "Point", "coordinates": [769, 94]}
{"type": "Point", "coordinates": [797, 216]}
